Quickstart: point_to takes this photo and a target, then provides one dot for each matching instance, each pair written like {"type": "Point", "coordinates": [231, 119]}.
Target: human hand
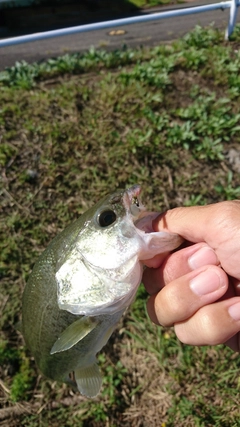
{"type": "Point", "coordinates": [197, 288]}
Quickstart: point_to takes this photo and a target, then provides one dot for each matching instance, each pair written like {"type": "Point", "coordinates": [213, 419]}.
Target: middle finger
{"type": "Point", "coordinates": [178, 264]}
{"type": "Point", "coordinates": [184, 296]}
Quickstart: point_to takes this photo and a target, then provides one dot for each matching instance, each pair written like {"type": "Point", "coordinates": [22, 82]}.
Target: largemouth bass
{"type": "Point", "coordinates": [83, 282]}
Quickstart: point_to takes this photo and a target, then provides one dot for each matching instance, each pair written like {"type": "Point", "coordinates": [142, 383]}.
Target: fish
{"type": "Point", "coordinates": [82, 284]}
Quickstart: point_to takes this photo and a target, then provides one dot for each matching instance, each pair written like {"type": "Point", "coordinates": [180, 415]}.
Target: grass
{"type": "Point", "coordinates": [73, 129]}
{"type": "Point", "coordinates": [152, 3]}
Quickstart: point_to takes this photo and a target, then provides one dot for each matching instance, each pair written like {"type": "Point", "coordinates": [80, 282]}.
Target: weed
{"type": "Point", "coordinates": [202, 38]}
{"type": "Point", "coordinates": [227, 190]}
{"type": "Point", "coordinates": [24, 74]}
{"type": "Point", "coordinates": [194, 200]}
{"type": "Point", "coordinates": [23, 380]}
{"type": "Point", "coordinates": [193, 59]}
{"type": "Point", "coordinates": [7, 151]}
{"type": "Point", "coordinates": [154, 73]}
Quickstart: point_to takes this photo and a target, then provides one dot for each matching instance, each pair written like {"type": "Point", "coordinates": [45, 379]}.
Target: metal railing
{"type": "Point", "coordinates": [231, 4]}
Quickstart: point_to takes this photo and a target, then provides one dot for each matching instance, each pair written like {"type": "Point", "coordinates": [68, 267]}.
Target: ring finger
{"type": "Point", "coordinates": [184, 296]}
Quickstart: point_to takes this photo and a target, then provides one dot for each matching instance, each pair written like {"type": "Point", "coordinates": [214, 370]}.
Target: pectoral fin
{"type": "Point", "coordinates": [89, 380]}
{"type": "Point", "coordinates": [73, 334]}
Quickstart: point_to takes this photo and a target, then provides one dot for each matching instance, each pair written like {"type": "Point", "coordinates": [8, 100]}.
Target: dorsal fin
{"type": "Point", "coordinates": [89, 380]}
{"type": "Point", "coordinates": [74, 333]}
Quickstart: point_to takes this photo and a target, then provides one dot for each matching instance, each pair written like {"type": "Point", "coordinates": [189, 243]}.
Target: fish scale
{"type": "Point", "coordinates": [83, 282]}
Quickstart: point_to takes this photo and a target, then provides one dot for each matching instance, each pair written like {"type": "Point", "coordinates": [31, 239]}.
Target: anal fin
{"type": "Point", "coordinates": [89, 380]}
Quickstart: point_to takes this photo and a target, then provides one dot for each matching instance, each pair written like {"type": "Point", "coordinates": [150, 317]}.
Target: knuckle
{"type": "Point", "coordinates": [209, 327]}
{"type": "Point", "coordinates": [201, 329]}
{"type": "Point", "coordinates": [226, 212]}
{"type": "Point", "coordinates": [172, 301]}
{"type": "Point", "coordinates": [175, 307]}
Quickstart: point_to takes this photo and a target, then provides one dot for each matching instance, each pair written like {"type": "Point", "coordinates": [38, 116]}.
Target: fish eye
{"type": "Point", "coordinates": [136, 201]}
{"type": "Point", "coordinates": [106, 218]}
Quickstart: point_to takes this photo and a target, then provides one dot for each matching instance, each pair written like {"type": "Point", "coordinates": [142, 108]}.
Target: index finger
{"type": "Point", "coordinates": [218, 225]}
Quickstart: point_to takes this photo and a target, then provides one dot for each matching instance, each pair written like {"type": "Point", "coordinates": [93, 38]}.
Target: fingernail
{"type": "Point", "coordinates": [203, 256]}
{"type": "Point", "coordinates": [234, 311]}
{"type": "Point", "coordinates": [206, 282]}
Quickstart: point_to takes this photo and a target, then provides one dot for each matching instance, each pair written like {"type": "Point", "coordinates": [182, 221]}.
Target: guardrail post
{"type": "Point", "coordinates": [232, 18]}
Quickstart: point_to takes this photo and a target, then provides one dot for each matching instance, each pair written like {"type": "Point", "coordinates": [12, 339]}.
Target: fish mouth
{"type": "Point", "coordinates": [145, 221]}
{"type": "Point", "coordinates": [131, 201]}
{"type": "Point", "coordinates": [142, 219]}
{"type": "Point", "coordinates": [133, 192]}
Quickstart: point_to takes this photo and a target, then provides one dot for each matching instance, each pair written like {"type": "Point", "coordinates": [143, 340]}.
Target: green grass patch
{"type": "Point", "coordinates": [153, 3]}
{"type": "Point", "coordinates": [75, 128]}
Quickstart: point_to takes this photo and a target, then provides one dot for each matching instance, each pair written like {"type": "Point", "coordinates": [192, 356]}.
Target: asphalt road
{"type": "Point", "coordinates": [150, 33]}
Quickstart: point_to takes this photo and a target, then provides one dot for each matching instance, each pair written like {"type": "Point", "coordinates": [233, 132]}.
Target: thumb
{"type": "Point", "coordinates": [192, 223]}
